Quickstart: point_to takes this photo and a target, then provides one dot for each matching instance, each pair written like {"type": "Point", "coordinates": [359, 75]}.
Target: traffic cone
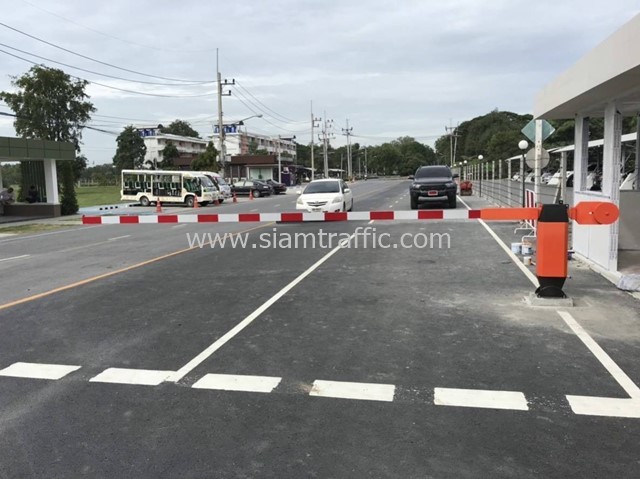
{"type": "Point", "coordinates": [235, 198]}
{"type": "Point", "coordinates": [195, 202]}
{"type": "Point", "coordinates": [158, 206]}
{"type": "Point", "coordinates": [217, 201]}
{"type": "Point", "coordinates": [250, 194]}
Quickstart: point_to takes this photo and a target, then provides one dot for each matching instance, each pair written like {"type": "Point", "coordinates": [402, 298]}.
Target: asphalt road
{"type": "Point", "coordinates": [309, 362]}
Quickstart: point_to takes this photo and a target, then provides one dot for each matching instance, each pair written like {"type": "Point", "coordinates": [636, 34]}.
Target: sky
{"type": "Point", "coordinates": [392, 68]}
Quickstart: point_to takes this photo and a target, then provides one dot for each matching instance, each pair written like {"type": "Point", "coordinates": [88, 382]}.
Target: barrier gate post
{"type": "Point", "coordinates": [552, 250]}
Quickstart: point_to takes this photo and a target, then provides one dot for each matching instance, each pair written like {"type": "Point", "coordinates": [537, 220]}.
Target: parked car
{"type": "Point", "coordinates": [277, 186]}
{"type": "Point", "coordinates": [433, 184]}
{"type": "Point", "coordinates": [326, 195]}
{"type": "Point", "coordinates": [258, 188]}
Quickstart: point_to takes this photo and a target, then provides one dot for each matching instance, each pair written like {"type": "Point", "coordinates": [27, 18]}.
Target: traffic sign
{"type": "Point", "coordinates": [531, 158]}
{"type": "Point", "coordinates": [530, 130]}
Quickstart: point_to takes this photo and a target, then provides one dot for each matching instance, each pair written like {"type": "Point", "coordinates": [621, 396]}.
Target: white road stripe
{"type": "Point", "coordinates": [38, 370]}
{"type": "Point", "coordinates": [371, 222]}
{"type": "Point", "coordinates": [23, 238]}
{"type": "Point", "coordinates": [234, 382]}
{"type": "Point", "coordinates": [204, 355]}
{"type": "Point", "coordinates": [610, 407]}
{"type": "Point", "coordinates": [119, 237]}
{"type": "Point", "coordinates": [514, 258]}
{"type": "Point", "coordinates": [347, 390]}
{"type": "Point", "coordinates": [178, 226]}
{"type": "Point", "coordinates": [479, 398]}
{"type": "Point", "coordinates": [145, 377]}
{"type": "Point", "coordinates": [618, 374]}
{"type": "Point", "coordinates": [253, 210]}
{"type": "Point", "coordinates": [15, 257]}
{"type": "Point", "coordinates": [275, 206]}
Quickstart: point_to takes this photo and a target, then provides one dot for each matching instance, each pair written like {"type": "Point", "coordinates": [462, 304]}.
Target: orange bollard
{"type": "Point", "coordinates": [195, 202]}
{"type": "Point", "coordinates": [235, 198]}
{"type": "Point", "coordinates": [250, 194]}
{"type": "Point", "coordinates": [216, 202]}
{"type": "Point", "coordinates": [158, 206]}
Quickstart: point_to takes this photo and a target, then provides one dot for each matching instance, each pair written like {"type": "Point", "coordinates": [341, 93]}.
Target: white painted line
{"type": "Point", "coordinates": [481, 399]}
{"type": "Point", "coordinates": [178, 226]}
{"type": "Point", "coordinates": [23, 238]}
{"type": "Point", "coordinates": [347, 390]}
{"type": "Point", "coordinates": [276, 206]}
{"type": "Point", "coordinates": [15, 257]}
{"type": "Point", "coordinates": [514, 258]}
{"type": "Point", "coordinates": [234, 382]}
{"type": "Point", "coordinates": [195, 362]}
{"type": "Point", "coordinates": [610, 407]}
{"type": "Point", "coordinates": [371, 222]}
{"type": "Point", "coordinates": [38, 370]}
{"type": "Point", "coordinates": [253, 210]}
{"type": "Point", "coordinates": [145, 377]}
{"type": "Point", "coordinates": [119, 237]}
{"type": "Point", "coordinates": [618, 374]}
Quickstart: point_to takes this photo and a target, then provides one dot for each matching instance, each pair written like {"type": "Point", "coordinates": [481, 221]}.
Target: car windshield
{"type": "Point", "coordinates": [434, 172]}
{"type": "Point", "coordinates": [322, 187]}
{"type": "Point", "coordinates": [221, 181]}
{"type": "Point", "coordinates": [205, 181]}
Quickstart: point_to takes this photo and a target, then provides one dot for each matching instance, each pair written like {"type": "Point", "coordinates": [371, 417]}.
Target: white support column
{"type": "Point", "coordinates": [611, 163]}
{"type": "Point", "coordinates": [537, 170]}
{"type": "Point", "coordinates": [509, 199]}
{"type": "Point", "coordinates": [637, 170]}
{"type": "Point", "coordinates": [51, 181]}
{"type": "Point", "coordinates": [581, 154]}
{"type": "Point", "coordinates": [563, 174]}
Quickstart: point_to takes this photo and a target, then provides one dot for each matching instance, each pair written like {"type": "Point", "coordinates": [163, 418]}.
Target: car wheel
{"type": "Point", "coordinates": [351, 208]}
{"type": "Point", "coordinates": [414, 203]}
{"type": "Point", "coordinates": [188, 201]}
{"type": "Point", "coordinates": [144, 201]}
{"type": "Point", "coordinates": [256, 194]}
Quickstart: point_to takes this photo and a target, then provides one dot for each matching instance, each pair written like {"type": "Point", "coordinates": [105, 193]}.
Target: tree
{"type": "Point", "coordinates": [169, 154]}
{"type": "Point", "coordinates": [79, 165]}
{"type": "Point", "coordinates": [130, 150]}
{"type": "Point", "coordinates": [50, 105]}
{"type": "Point", "coordinates": [207, 160]}
{"type": "Point", "coordinates": [180, 128]}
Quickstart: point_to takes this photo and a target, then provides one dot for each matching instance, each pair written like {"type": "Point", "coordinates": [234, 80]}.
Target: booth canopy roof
{"type": "Point", "coordinates": [20, 149]}
{"type": "Point", "coordinates": [609, 72]}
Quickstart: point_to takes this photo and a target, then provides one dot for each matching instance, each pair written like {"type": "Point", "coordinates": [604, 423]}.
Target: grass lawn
{"type": "Point", "coordinates": [97, 195]}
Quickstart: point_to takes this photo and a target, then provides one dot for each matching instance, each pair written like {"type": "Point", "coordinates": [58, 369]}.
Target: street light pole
{"type": "Point", "coordinates": [523, 145]}
{"type": "Point", "coordinates": [480, 158]}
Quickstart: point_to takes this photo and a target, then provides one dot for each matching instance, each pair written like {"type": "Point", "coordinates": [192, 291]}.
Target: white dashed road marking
{"type": "Point", "coordinates": [233, 382]}
{"type": "Point", "coordinates": [38, 370]}
{"type": "Point", "coordinates": [611, 407]}
{"type": "Point", "coordinates": [479, 398]}
{"type": "Point", "coordinates": [347, 390]}
{"type": "Point", "coordinates": [144, 377]}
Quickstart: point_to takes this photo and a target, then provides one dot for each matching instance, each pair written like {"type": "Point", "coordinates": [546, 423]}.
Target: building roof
{"type": "Point", "coordinates": [609, 72]}
{"type": "Point", "coordinates": [18, 149]}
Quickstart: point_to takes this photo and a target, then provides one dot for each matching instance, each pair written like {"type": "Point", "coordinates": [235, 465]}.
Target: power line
{"type": "Point", "coordinates": [288, 120]}
{"type": "Point", "coordinates": [112, 87]}
{"type": "Point", "coordinates": [100, 61]}
{"type": "Point", "coordinates": [2, 113]}
{"type": "Point", "coordinates": [263, 118]}
{"type": "Point", "coordinates": [148, 47]}
{"type": "Point", "coordinates": [98, 73]}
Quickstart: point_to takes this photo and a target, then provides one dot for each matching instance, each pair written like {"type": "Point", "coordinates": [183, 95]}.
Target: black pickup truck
{"type": "Point", "coordinates": [433, 184]}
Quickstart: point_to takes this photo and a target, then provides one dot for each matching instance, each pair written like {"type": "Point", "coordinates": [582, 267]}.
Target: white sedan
{"type": "Point", "coordinates": [326, 195]}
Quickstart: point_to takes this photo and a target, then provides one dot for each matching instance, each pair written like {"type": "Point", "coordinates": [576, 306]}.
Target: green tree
{"type": "Point", "coordinates": [79, 165]}
{"type": "Point", "coordinates": [207, 160]}
{"type": "Point", "coordinates": [169, 154]}
{"type": "Point", "coordinates": [181, 128]}
{"type": "Point", "coordinates": [130, 150]}
{"type": "Point", "coordinates": [50, 105]}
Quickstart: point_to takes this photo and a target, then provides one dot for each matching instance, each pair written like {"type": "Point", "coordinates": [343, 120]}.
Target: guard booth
{"type": "Point", "coordinates": [38, 165]}
{"type": "Point", "coordinates": [605, 83]}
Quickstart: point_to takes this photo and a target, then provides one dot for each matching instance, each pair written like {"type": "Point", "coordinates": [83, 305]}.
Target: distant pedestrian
{"type": "Point", "coordinates": [6, 198]}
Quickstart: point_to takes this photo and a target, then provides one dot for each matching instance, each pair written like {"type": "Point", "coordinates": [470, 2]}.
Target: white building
{"type": "Point", "coordinates": [238, 142]}
{"type": "Point", "coordinates": [155, 141]}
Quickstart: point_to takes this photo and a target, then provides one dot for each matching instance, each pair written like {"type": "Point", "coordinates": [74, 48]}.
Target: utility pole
{"type": "Point", "coordinates": [452, 131]}
{"type": "Point", "coordinates": [221, 132]}
{"type": "Point", "coordinates": [326, 127]}
{"type": "Point", "coordinates": [347, 132]}
{"type": "Point", "coordinates": [280, 138]}
{"type": "Point", "coordinates": [365, 161]}
{"type": "Point", "coordinates": [313, 125]}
